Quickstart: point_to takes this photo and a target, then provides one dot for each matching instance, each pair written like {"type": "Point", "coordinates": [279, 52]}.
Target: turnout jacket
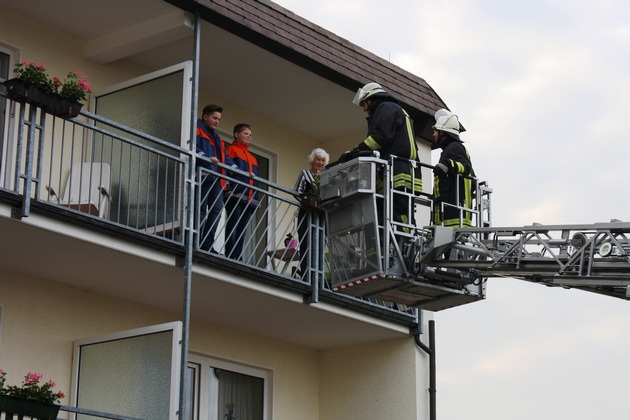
{"type": "Point", "coordinates": [452, 189]}
{"type": "Point", "coordinates": [390, 132]}
{"type": "Point", "coordinates": [210, 144]}
{"type": "Point", "coordinates": [246, 162]}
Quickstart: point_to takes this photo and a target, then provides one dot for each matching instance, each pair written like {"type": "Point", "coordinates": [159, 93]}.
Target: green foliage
{"type": "Point", "coordinates": [35, 74]}
{"type": "Point", "coordinates": [74, 88]}
{"type": "Point", "coordinates": [31, 389]}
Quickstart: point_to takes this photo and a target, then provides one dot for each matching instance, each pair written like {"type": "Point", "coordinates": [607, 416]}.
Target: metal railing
{"type": "Point", "coordinates": [119, 178]}
{"type": "Point", "coordinates": [95, 167]}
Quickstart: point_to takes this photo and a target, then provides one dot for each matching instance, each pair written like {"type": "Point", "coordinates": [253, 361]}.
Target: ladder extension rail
{"type": "Point", "coordinates": [590, 257]}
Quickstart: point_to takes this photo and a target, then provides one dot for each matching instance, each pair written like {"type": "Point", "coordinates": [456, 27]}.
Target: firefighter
{"type": "Point", "coordinates": [453, 186]}
{"type": "Point", "coordinates": [390, 133]}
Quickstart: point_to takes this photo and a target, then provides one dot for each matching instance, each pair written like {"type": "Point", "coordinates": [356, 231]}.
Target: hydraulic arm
{"type": "Point", "coordinates": [371, 253]}
{"type": "Point", "coordinates": [595, 258]}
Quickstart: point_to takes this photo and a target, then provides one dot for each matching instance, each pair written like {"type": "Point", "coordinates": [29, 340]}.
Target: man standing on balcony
{"type": "Point", "coordinates": [211, 150]}
{"type": "Point", "coordinates": [240, 200]}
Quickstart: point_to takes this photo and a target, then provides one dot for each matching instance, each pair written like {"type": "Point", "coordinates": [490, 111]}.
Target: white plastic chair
{"type": "Point", "coordinates": [87, 189]}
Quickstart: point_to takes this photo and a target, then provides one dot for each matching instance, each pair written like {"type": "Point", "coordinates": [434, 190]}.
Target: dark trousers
{"type": "Point", "coordinates": [239, 213]}
{"type": "Point", "coordinates": [212, 207]}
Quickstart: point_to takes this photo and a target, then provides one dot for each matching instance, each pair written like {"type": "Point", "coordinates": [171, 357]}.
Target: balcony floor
{"type": "Point", "coordinates": [55, 250]}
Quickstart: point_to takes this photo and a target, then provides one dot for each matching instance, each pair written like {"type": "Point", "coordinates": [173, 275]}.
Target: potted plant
{"type": "Point", "coordinates": [32, 85]}
{"type": "Point", "coordinates": [32, 398]}
{"type": "Point", "coordinates": [310, 199]}
{"type": "Point", "coordinates": [75, 88]}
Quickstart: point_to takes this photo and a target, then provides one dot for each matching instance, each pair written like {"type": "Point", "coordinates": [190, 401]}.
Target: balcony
{"type": "Point", "coordinates": [106, 208]}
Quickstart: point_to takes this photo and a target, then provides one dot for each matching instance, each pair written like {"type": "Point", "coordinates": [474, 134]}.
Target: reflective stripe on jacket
{"type": "Point", "coordinates": [390, 132]}
{"type": "Point", "coordinates": [452, 189]}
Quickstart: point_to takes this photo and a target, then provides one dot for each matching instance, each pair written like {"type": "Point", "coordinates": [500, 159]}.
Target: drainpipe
{"type": "Point", "coordinates": [430, 350]}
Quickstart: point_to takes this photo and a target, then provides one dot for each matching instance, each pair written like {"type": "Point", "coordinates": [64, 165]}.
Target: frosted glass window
{"type": "Point", "coordinates": [130, 376]}
{"type": "Point", "coordinates": [144, 188]}
{"type": "Point", "coordinates": [4, 73]}
{"type": "Point", "coordinates": [153, 107]}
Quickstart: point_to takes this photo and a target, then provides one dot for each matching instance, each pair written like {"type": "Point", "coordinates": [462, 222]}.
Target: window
{"type": "Point", "coordinates": [145, 188]}
{"type": "Point", "coordinates": [132, 373]}
{"type": "Point", "coordinates": [7, 58]}
{"type": "Point", "coordinates": [222, 390]}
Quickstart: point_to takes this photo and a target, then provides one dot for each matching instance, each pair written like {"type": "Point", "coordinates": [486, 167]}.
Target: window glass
{"type": "Point", "coordinates": [228, 391]}
{"type": "Point", "coordinates": [239, 396]}
{"type": "Point", "coordinates": [131, 373]}
{"type": "Point", "coordinates": [5, 60]}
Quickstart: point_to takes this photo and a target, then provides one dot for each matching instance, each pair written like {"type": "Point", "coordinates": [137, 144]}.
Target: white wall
{"type": "Point", "coordinates": [376, 381]}
{"type": "Point", "coordinates": [42, 319]}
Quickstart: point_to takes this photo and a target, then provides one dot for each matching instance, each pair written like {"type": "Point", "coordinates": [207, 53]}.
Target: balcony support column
{"type": "Point", "coordinates": [189, 228]}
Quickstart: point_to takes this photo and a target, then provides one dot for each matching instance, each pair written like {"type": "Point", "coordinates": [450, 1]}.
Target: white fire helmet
{"type": "Point", "coordinates": [441, 112]}
{"type": "Point", "coordinates": [366, 91]}
{"type": "Point", "coordinates": [448, 124]}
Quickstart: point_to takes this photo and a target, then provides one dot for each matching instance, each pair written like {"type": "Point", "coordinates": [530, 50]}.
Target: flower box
{"type": "Point", "coordinates": [17, 406]}
{"type": "Point", "coordinates": [22, 92]}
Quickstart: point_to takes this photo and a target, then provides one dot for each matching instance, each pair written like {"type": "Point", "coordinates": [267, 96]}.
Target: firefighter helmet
{"type": "Point", "coordinates": [448, 124]}
{"type": "Point", "coordinates": [441, 112]}
{"type": "Point", "coordinates": [366, 91]}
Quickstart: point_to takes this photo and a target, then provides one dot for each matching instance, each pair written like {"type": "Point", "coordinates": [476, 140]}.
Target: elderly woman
{"type": "Point", "coordinates": [308, 181]}
{"type": "Point", "coordinates": [307, 186]}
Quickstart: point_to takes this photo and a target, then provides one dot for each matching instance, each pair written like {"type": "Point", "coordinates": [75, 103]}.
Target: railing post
{"type": "Point", "coordinates": [27, 176]}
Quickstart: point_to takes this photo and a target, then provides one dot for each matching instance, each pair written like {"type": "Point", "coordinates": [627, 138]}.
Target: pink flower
{"type": "Point", "coordinates": [32, 378]}
{"type": "Point", "coordinates": [84, 85]}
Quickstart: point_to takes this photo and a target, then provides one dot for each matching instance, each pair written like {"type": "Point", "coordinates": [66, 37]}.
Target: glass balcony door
{"type": "Point", "coordinates": [6, 62]}
{"type": "Point", "coordinates": [131, 373]}
{"type": "Point", "coordinates": [146, 188]}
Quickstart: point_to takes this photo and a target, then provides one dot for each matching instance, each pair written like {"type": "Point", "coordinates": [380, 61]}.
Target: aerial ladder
{"type": "Point", "coordinates": [435, 267]}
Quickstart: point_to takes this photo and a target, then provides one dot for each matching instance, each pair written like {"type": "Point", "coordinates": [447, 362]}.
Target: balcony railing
{"type": "Point", "coordinates": [120, 180]}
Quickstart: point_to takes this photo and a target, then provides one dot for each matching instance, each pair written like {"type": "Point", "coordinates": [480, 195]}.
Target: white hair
{"type": "Point", "coordinates": [318, 152]}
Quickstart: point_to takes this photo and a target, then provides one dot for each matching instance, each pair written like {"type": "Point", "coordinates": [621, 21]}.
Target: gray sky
{"type": "Point", "coordinates": [542, 87]}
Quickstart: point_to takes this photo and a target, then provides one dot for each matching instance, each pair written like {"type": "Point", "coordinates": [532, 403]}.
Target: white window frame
{"type": "Point", "coordinates": [185, 67]}
{"type": "Point", "coordinates": [205, 362]}
{"type": "Point", "coordinates": [8, 143]}
{"type": "Point", "coordinates": [175, 327]}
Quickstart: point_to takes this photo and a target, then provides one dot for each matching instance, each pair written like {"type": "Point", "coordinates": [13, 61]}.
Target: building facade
{"type": "Point", "coordinates": [107, 292]}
